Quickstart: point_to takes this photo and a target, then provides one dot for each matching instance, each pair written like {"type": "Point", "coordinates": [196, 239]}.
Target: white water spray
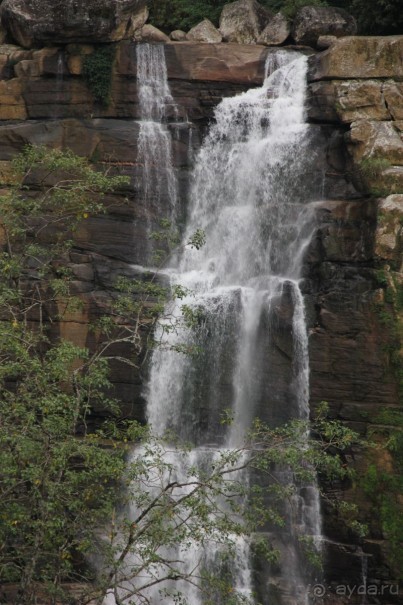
{"type": "Point", "coordinates": [253, 179]}
{"type": "Point", "coordinates": [250, 196]}
{"type": "Point", "coordinates": [155, 142]}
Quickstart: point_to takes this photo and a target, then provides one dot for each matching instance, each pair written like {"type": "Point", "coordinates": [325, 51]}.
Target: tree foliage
{"type": "Point", "coordinates": [377, 17]}
{"type": "Point", "coordinates": [104, 506]}
{"type": "Point", "coordinates": [184, 14]}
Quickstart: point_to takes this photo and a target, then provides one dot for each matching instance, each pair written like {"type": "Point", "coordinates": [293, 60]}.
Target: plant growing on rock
{"type": "Point", "coordinates": [97, 71]}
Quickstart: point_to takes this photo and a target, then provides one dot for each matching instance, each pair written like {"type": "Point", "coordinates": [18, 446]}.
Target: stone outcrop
{"type": "Point", "coordinates": [276, 31]}
{"type": "Point", "coordinates": [360, 57]}
{"type": "Point", "coordinates": [243, 21]}
{"type": "Point", "coordinates": [238, 64]}
{"type": "Point", "coordinates": [38, 22]}
{"type": "Point", "coordinates": [313, 21]}
{"type": "Point", "coordinates": [204, 32]}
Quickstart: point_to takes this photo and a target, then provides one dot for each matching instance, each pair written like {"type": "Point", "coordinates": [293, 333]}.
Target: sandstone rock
{"type": "Point", "coordinates": [149, 33]}
{"type": "Point", "coordinates": [313, 21]}
{"type": "Point", "coordinates": [238, 64]}
{"type": "Point", "coordinates": [324, 42]}
{"type": "Point", "coordinates": [138, 20]}
{"type": "Point", "coordinates": [243, 21]}
{"type": "Point", "coordinates": [389, 233]}
{"type": "Point", "coordinates": [371, 139]}
{"type": "Point", "coordinates": [12, 54]}
{"type": "Point", "coordinates": [393, 95]}
{"type": "Point", "coordinates": [178, 35]}
{"type": "Point", "coordinates": [361, 57]}
{"type": "Point", "coordinates": [75, 65]}
{"type": "Point", "coordinates": [276, 31]}
{"type": "Point", "coordinates": [321, 102]}
{"type": "Point", "coordinates": [360, 100]}
{"type": "Point", "coordinates": [12, 104]}
{"type": "Point", "coordinates": [36, 22]}
{"type": "Point", "coordinates": [204, 32]}
{"type": "Point", "coordinates": [346, 230]}
{"type": "Point", "coordinates": [27, 69]}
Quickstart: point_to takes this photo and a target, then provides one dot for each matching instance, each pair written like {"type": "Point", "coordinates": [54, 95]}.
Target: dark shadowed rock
{"type": "Point", "coordinates": [276, 31]}
{"type": "Point", "coordinates": [149, 33]}
{"type": "Point", "coordinates": [243, 21]}
{"type": "Point", "coordinates": [178, 35]}
{"type": "Point", "coordinates": [204, 32]}
{"type": "Point", "coordinates": [314, 21]}
{"type": "Point", "coordinates": [37, 22]}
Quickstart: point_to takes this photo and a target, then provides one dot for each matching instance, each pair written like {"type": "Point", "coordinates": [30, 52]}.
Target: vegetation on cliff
{"type": "Point", "coordinates": [374, 17]}
{"type": "Point", "coordinates": [98, 503]}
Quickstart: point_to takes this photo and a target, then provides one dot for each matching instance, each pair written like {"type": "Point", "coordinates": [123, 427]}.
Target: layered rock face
{"type": "Point", "coordinates": [356, 353]}
{"type": "Point", "coordinates": [353, 267]}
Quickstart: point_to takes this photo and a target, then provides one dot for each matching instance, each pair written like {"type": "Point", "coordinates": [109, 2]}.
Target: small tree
{"type": "Point", "coordinates": [107, 508]}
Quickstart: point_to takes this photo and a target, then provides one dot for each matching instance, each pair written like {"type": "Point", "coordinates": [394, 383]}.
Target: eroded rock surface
{"type": "Point", "coordinates": [276, 31]}
{"type": "Point", "coordinates": [313, 21]}
{"type": "Point", "coordinates": [38, 22]}
{"type": "Point", "coordinates": [362, 57]}
{"type": "Point", "coordinates": [204, 32]}
{"type": "Point", "coordinates": [243, 21]}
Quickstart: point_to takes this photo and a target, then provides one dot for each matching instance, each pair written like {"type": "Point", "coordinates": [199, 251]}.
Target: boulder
{"type": "Point", "coordinates": [204, 32]}
{"type": "Point", "coordinates": [39, 22]}
{"type": "Point", "coordinates": [313, 21]}
{"type": "Point", "coordinates": [243, 21]}
{"type": "Point", "coordinates": [276, 31]}
{"type": "Point", "coordinates": [149, 33]}
{"type": "Point", "coordinates": [178, 35]}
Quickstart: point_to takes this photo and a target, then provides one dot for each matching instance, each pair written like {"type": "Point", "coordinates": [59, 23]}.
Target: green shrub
{"type": "Point", "coordinates": [373, 167]}
{"type": "Point", "coordinates": [373, 16]}
{"type": "Point", "coordinates": [290, 7]}
{"type": "Point", "coordinates": [97, 70]}
{"type": "Point", "coordinates": [377, 17]}
{"type": "Point", "coordinates": [184, 14]}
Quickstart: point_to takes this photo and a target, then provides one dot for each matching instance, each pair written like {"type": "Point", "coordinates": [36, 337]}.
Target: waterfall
{"type": "Point", "coordinates": [155, 142]}
{"type": "Point", "coordinates": [253, 180]}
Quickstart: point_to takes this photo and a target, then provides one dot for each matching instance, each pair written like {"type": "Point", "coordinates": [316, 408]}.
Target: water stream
{"type": "Point", "coordinates": [155, 143]}
{"type": "Point", "coordinates": [253, 180]}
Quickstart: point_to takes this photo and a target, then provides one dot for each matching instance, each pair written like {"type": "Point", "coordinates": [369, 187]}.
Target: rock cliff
{"type": "Point", "coordinates": [353, 269]}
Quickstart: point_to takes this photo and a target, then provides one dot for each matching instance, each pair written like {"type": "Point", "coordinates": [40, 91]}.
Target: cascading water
{"type": "Point", "coordinates": [253, 179]}
{"type": "Point", "coordinates": [155, 142]}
